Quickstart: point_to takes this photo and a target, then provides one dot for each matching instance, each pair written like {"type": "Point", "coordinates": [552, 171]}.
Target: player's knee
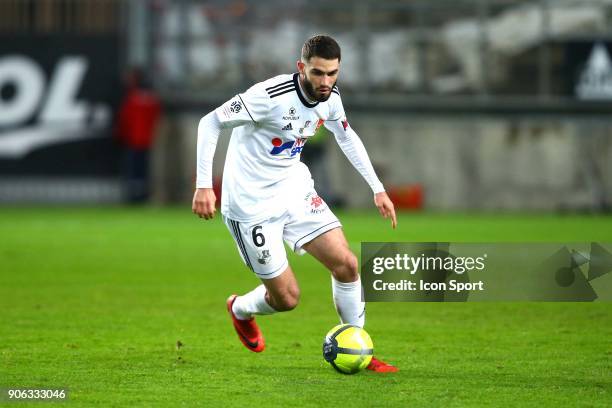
{"type": "Point", "coordinates": [288, 300]}
{"type": "Point", "coordinates": [347, 269]}
{"type": "Point", "coordinates": [352, 266]}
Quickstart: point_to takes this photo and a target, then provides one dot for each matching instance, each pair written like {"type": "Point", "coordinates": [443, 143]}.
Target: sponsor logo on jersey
{"type": "Point", "coordinates": [315, 203]}
{"type": "Point", "coordinates": [291, 115]}
{"type": "Point", "coordinates": [288, 127]}
{"type": "Point", "coordinates": [345, 124]}
{"type": "Point", "coordinates": [235, 107]}
{"type": "Point", "coordinates": [296, 146]}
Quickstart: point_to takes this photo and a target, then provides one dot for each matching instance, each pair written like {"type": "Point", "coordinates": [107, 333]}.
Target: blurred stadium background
{"type": "Point", "coordinates": [491, 116]}
{"type": "Point", "coordinates": [463, 105]}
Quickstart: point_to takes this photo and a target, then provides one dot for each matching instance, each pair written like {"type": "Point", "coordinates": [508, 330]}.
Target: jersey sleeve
{"type": "Point", "coordinates": [352, 146]}
{"type": "Point", "coordinates": [336, 111]}
{"type": "Point", "coordinates": [251, 106]}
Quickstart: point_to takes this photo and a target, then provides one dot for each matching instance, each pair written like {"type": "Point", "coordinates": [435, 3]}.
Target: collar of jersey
{"type": "Point", "coordinates": [298, 89]}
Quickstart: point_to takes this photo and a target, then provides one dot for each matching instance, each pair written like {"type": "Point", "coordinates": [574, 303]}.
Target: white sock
{"type": "Point", "coordinates": [252, 303]}
{"type": "Point", "coordinates": [347, 298]}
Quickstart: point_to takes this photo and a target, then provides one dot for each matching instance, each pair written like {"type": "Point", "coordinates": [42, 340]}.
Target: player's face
{"type": "Point", "coordinates": [319, 76]}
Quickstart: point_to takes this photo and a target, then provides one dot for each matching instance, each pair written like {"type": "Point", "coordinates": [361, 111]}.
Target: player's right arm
{"type": "Point", "coordinates": [249, 107]}
{"type": "Point", "coordinates": [204, 198]}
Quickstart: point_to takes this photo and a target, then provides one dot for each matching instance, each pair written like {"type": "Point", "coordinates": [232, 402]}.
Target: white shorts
{"type": "Point", "coordinates": [261, 244]}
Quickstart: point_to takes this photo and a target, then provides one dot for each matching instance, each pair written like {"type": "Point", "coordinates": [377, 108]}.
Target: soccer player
{"type": "Point", "coordinates": [269, 196]}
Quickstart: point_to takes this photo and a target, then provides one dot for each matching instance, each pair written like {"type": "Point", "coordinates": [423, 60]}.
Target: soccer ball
{"type": "Point", "coordinates": [348, 348]}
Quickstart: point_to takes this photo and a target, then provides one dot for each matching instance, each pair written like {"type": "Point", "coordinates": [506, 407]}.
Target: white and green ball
{"type": "Point", "coordinates": [348, 348]}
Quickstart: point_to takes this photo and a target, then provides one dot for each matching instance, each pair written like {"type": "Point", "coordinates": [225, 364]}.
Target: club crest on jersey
{"type": "Point", "coordinates": [264, 256]}
{"type": "Point", "coordinates": [306, 124]}
{"type": "Point", "coordinates": [296, 146]}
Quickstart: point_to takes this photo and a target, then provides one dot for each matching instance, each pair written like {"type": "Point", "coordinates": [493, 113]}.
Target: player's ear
{"type": "Point", "coordinates": [301, 66]}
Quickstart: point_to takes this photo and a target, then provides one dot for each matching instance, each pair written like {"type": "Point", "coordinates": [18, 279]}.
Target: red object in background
{"type": "Point", "coordinates": [217, 182]}
{"type": "Point", "coordinates": [407, 197]}
{"type": "Point", "coordinates": [138, 116]}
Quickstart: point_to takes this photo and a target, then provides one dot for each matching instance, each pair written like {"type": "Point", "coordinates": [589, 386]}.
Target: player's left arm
{"type": "Point", "coordinates": [356, 153]}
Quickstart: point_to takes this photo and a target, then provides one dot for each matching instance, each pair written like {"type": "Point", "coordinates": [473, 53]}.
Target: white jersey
{"type": "Point", "coordinates": [263, 158]}
{"type": "Point", "coordinates": [272, 122]}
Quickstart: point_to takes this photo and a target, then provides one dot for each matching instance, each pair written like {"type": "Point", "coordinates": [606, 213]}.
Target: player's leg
{"type": "Point", "coordinates": [313, 227]}
{"type": "Point", "coordinates": [330, 247]}
{"type": "Point", "coordinates": [332, 250]}
{"type": "Point", "coordinates": [262, 250]}
{"type": "Point", "coordinates": [279, 294]}
{"type": "Point", "coordinates": [283, 292]}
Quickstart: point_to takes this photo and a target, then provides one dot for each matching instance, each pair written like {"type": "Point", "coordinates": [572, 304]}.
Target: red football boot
{"type": "Point", "coordinates": [247, 330]}
{"type": "Point", "coordinates": [381, 367]}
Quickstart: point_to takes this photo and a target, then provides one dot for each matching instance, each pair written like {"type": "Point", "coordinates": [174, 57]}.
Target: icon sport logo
{"type": "Point", "coordinates": [296, 146]}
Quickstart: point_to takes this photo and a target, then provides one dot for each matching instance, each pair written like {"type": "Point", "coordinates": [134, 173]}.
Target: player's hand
{"type": "Point", "coordinates": [385, 207]}
{"type": "Point", "coordinates": [204, 203]}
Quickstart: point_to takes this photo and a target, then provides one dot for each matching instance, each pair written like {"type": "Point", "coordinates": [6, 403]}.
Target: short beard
{"type": "Point", "coordinates": [312, 94]}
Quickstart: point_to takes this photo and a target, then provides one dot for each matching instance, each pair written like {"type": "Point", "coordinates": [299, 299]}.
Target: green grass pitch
{"type": "Point", "coordinates": [95, 300]}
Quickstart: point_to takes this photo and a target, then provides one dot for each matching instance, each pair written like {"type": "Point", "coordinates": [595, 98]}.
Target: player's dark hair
{"type": "Point", "coordinates": [322, 46]}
